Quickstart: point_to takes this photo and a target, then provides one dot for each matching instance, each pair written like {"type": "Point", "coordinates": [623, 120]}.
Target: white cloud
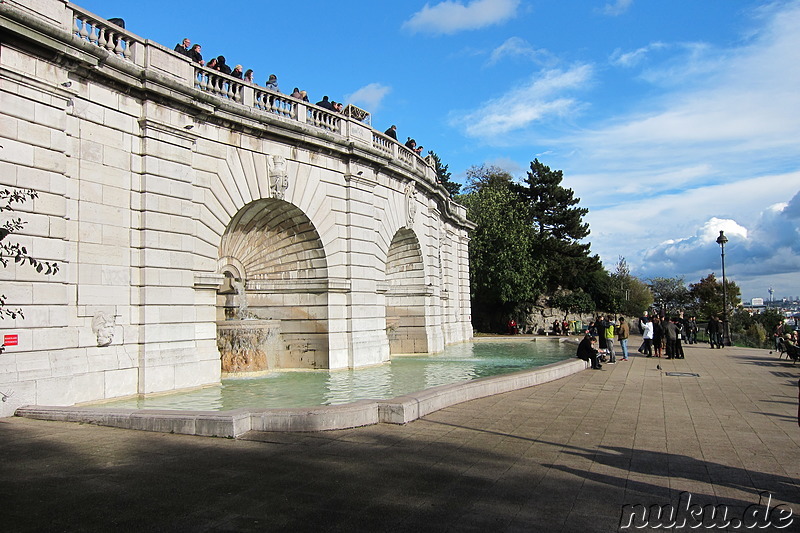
{"type": "Point", "coordinates": [636, 57]}
{"type": "Point", "coordinates": [617, 8]}
{"type": "Point", "coordinates": [518, 47]}
{"type": "Point", "coordinates": [368, 97]}
{"type": "Point", "coordinates": [450, 17]}
{"type": "Point", "coordinates": [541, 97]}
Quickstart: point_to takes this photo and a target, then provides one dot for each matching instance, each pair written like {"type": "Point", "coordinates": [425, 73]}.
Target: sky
{"type": "Point", "coordinates": [670, 120]}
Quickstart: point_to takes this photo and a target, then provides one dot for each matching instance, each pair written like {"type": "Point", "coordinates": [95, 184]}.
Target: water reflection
{"type": "Point", "coordinates": [404, 375]}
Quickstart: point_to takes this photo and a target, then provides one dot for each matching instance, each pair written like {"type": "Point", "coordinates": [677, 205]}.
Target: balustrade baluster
{"type": "Point", "coordinates": [112, 36]}
{"type": "Point", "coordinates": [93, 36]}
{"type": "Point", "coordinates": [76, 29]}
{"type": "Point", "coordinates": [128, 52]}
{"type": "Point", "coordinates": [102, 40]}
{"type": "Point", "coordinates": [119, 49]}
{"type": "Point", "coordinates": [84, 32]}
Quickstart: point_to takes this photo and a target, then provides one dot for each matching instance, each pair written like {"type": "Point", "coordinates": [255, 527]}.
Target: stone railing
{"type": "Point", "coordinates": [144, 54]}
{"type": "Point", "coordinates": [104, 34]}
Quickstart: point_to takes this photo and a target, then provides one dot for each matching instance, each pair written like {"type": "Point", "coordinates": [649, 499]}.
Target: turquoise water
{"type": "Point", "coordinates": [403, 375]}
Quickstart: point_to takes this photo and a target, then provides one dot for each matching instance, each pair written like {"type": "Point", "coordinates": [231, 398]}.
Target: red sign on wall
{"type": "Point", "coordinates": [10, 340]}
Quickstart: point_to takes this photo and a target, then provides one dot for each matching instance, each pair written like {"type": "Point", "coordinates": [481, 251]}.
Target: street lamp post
{"type": "Point", "coordinates": [726, 334]}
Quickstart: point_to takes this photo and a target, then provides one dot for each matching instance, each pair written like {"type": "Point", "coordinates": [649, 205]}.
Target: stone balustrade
{"type": "Point", "coordinates": [102, 33]}
{"type": "Point", "coordinates": [127, 46]}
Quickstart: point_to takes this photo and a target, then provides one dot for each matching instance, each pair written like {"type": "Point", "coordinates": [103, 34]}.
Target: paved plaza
{"type": "Point", "coordinates": [562, 456]}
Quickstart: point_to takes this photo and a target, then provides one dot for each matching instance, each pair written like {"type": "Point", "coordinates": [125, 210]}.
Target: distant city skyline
{"type": "Point", "coordinates": [670, 120]}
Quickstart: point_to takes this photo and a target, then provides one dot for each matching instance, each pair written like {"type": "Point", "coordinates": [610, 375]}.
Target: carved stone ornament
{"type": "Point", "coordinates": [411, 204]}
{"type": "Point", "coordinates": [278, 176]}
{"type": "Point", "coordinates": [103, 327]}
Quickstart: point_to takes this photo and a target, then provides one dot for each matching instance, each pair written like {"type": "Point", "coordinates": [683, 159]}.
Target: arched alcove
{"type": "Point", "coordinates": [405, 296]}
{"type": "Point", "coordinates": [279, 254]}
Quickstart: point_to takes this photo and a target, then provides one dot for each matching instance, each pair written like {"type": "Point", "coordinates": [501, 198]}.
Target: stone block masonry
{"type": "Point", "coordinates": [156, 186]}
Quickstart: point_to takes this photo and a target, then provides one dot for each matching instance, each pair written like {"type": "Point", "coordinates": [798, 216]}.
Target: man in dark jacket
{"type": "Point", "coordinates": [183, 47]}
{"type": "Point", "coordinates": [221, 66]}
{"type": "Point", "coordinates": [714, 332]}
{"type": "Point", "coordinates": [325, 103]}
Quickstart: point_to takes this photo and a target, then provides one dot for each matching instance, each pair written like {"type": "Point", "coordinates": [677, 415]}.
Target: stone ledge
{"type": "Point", "coordinates": [234, 423]}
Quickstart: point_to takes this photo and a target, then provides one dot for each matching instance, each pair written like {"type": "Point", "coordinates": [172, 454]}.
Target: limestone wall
{"type": "Point", "coordinates": [144, 174]}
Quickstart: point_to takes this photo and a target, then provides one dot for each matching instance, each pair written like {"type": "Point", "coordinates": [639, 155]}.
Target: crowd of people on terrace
{"type": "Point", "coordinates": [219, 63]}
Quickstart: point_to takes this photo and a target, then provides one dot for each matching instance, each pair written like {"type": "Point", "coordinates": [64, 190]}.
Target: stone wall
{"type": "Point", "coordinates": [154, 185]}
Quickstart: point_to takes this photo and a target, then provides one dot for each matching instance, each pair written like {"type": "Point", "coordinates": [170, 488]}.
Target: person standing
{"type": "Point", "coordinates": [183, 47]}
{"type": "Point", "coordinates": [391, 132]}
{"type": "Point", "coordinates": [692, 333]}
{"type": "Point", "coordinates": [682, 325]}
{"type": "Point", "coordinates": [607, 328]}
{"type": "Point", "coordinates": [647, 335]}
{"type": "Point", "coordinates": [195, 54]}
{"type": "Point", "coordinates": [623, 332]}
{"type": "Point", "coordinates": [670, 336]}
{"type": "Point", "coordinates": [658, 335]}
{"type": "Point", "coordinates": [714, 332]}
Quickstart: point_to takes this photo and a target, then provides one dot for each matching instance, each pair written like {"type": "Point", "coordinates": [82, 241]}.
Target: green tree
{"type": "Point", "coordinates": [14, 250]}
{"type": "Point", "coordinates": [559, 227]}
{"type": "Point", "coordinates": [444, 175]}
{"type": "Point", "coordinates": [573, 301]}
{"type": "Point", "coordinates": [670, 294]}
{"type": "Point", "coordinates": [504, 273]}
{"type": "Point", "coordinates": [633, 295]}
{"type": "Point", "coordinates": [707, 295]}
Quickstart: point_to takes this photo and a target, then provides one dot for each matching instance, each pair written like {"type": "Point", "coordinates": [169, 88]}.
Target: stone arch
{"type": "Point", "coordinates": [278, 252]}
{"type": "Point", "coordinates": [406, 295]}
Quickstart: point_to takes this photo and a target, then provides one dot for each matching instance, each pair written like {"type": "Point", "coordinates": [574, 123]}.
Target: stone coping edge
{"type": "Point", "coordinates": [236, 422]}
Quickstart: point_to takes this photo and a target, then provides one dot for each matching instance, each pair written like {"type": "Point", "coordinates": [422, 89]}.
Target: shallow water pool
{"type": "Point", "coordinates": [403, 375]}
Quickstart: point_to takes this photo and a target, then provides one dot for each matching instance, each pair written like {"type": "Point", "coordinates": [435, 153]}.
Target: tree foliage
{"type": "Point", "coordinates": [14, 251]}
{"type": "Point", "coordinates": [707, 296]}
{"type": "Point", "coordinates": [633, 295]}
{"type": "Point", "coordinates": [573, 301]}
{"type": "Point", "coordinates": [670, 294]}
{"type": "Point", "coordinates": [558, 227]}
{"type": "Point", "coordinates": [444, 175]}
{"type": "Point", "coordinates": [527, 242]}
{"type": "Point", "coordinates": [501, 255]}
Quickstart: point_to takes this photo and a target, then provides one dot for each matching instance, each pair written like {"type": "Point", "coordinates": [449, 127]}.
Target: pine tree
{"type": "Point", "coordinates": [443, 175]}
{"type": "Point", "coordinates": [559, 227]}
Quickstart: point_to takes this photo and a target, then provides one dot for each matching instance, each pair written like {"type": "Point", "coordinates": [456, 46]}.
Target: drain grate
{"type": "Point", "coordinates": [683, 374]}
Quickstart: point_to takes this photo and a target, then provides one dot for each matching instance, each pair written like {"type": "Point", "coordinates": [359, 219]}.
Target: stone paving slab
{"type": "Point", "coordinates": [561, 456]}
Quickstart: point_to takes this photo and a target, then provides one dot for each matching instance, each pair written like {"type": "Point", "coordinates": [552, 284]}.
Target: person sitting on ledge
{"type": "Point", "coordinates": [588, 352]}
{"type": "Point", "coordinates": [238, 72]}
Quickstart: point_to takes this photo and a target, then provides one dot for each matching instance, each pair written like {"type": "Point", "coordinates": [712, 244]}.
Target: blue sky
{"type": "Point", "coordinates": [671, 120]}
